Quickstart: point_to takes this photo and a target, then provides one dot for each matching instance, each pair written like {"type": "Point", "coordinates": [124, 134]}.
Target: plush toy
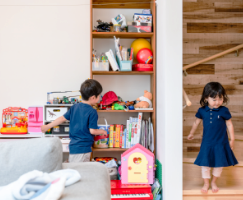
{"type": "Point", "coordinates": [144, 101]}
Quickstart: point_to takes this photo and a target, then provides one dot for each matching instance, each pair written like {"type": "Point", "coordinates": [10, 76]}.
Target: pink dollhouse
{"type": "Point", "coordinates": [137, 166]}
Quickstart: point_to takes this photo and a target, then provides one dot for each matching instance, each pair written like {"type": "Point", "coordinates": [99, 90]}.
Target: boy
{"type": "Point", "coordinates": [83, 122]}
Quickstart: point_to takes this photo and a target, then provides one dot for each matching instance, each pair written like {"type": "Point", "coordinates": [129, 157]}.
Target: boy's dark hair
{"type": "Point", "coordinates": [89, 88]}
{"type": "Point", "coordinates": [212, 90]}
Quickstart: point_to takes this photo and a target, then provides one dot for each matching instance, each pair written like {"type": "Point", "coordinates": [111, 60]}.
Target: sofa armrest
{"type": "Point", "coordinates": [94, 183]}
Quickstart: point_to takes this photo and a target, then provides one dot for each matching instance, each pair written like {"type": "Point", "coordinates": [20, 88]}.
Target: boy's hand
{"type": "Point", "coordinates": [104, 133]}
{"type": "Point", "coordinates": [44, 128]}
{"type": "Point", "coordinates": [232, 144]}
{"type": "Point", "coordinates": [190, 137]}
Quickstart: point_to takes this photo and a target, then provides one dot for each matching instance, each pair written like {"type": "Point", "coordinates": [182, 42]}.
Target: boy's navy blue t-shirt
{"type": "Point", "coordinates": [82, 117]}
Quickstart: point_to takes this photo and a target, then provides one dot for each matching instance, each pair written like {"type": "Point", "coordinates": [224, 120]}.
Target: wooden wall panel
{"type": "Point", "coordinates": [214, 28]}
{"type": "Point", "coordinates": [210, 27]}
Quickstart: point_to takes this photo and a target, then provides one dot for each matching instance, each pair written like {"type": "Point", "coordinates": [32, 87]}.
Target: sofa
{"type": "Point", "coordinates": [45, 154]}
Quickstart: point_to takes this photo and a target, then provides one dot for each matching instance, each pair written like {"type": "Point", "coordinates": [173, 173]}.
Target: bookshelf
{"type": "Point", "coordinates": [125, 4]}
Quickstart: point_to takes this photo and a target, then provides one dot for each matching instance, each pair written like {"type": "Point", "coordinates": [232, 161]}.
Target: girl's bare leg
{"type": "Point", "coordinates": [213, 184]}
{"type": "Point", "coordinates": [205, 186]}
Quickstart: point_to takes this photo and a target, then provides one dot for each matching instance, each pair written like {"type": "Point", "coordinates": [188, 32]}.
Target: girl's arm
{"type": "Point", "coordinates": [230, 127]}
{"type": "Point", "coordinates": [194, 128]}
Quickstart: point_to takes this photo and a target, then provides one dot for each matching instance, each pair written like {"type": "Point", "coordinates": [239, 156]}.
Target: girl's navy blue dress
{"type": "Point", "coordinates": [215, 150]}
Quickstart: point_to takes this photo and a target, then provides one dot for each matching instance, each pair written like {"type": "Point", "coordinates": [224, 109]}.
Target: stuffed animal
{"type": "Point", "coordinates": [144, 101]}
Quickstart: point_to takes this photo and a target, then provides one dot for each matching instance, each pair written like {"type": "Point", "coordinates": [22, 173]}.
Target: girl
{"type": "Point", "coordinates": [215, 151]}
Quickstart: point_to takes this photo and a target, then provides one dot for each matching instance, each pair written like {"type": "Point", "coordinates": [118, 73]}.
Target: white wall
{"type": "Point", "coordinates": [169, 96]}
{"type": "Point", "coordinates": [44, 46]}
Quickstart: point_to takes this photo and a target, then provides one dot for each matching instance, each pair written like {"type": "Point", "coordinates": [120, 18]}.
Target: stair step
{"type": "Point", "coordinates": [230, 183]}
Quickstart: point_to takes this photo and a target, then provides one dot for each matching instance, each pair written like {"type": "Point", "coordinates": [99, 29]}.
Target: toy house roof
{"type": "Point", "coordinates": [140, 147]}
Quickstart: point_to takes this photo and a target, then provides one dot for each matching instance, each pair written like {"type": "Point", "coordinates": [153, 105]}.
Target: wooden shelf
{"type": "Point", "coordinates": [123, 111]}
{"type": "Point", "coordinates": [121, 73]}
{"type": "Point", "coordinates": [125, 4]}
{"type": "Point", "coordinates": [109, 149]}
{"type": "Point", "coordinates": [121, 35]}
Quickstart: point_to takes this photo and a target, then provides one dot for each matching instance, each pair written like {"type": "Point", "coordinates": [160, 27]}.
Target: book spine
{"type": "Point", "coordinates": [136, 131]}
{"type": "Point", "coordinates": [111, 136]}
{"type": "Point", "coordinates": [124, 139]}
{"type": "Point", "coordinates": [139, 125]}
{"type": "Point", "coordinates": [127, 134]}
{"type": "Point", "coordinates": [121, 134]}
{"type": "Point", "coordinates": [117, 143]}
{"type": "Point", "coordinates": [130, 135]}
{"type": "Point", "coordinates": [132, 131]}
{"type": "Point", "coordinates": [114, 136]}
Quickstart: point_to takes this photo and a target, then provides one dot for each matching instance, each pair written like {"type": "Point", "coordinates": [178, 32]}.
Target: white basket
{"type": "Point", "coordinates": [100, 66]}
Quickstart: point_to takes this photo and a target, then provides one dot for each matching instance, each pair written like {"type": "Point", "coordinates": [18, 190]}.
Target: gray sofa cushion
{"type": "Point", "coordinates": [94, 183]}
{"type": "Point", "coordinates": [22, 156]}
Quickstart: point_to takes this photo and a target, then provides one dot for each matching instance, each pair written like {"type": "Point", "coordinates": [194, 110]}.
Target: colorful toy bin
{"type": "Point", "coordinates": [101, 141]}
{"type": "Point", "coordinates": [137, 166]}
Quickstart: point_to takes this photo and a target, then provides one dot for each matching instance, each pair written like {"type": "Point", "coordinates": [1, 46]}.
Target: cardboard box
{"type": "Point", "coordinates": [137, 27]}
{"type": "Point", "coordinates": [139, 17]}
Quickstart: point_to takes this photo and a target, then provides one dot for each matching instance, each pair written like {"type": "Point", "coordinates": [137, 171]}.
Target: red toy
{"type": "Point", "coordinates": [142, 67]}
{"type": "Point", "coordinates": [145, 56]}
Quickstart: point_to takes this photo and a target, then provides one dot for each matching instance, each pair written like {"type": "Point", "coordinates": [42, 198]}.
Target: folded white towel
{"type": "Point", "coordinates": [37, 185]}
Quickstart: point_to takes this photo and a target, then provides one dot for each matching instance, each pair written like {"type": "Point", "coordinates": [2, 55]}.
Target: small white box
{"type": "Point", "coordinates": [65, 145]}
{"type": "Point", "coordinates": [53, 113]}
{"type": "Point", "coordinates": [100, 66]}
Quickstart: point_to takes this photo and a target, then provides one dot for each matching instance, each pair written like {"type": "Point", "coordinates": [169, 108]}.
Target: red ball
{"type": "Point", "coordinates": [145, 56]}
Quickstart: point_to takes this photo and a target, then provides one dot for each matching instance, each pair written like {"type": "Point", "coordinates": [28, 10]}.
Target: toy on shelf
{"type": "Point", "coordinates": [35, 115]}
{"type": "Point", "coordinates": [139, 44]}
{"type": "Point", "coordinates": [101, 141]}
{"type": "Point", "coordinates": [63, 100]}
{"type": "Point", "coordinates": [14, 120]}
{"type": "Point", "coordinates": [145, 56]}
{"type": "Point", "coordinates": [144, 101]}
{"type": "Point", "coordinates": [137, 166]}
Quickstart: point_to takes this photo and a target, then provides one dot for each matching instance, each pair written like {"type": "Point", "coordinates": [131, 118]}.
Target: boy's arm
{"type": "Point", "coordinates": [58, 121]}
{"type": "Point", "coordinates": [98, 132]}
{"type": "Point", "coordinates": [230, 127]}
{"type": "Point", "coordinates": [194, 128]}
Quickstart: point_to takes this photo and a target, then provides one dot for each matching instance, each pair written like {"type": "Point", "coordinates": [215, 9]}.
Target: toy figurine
{"type": "Point", "coordinates": [118, 107]}
{"type": "Point", "coordinates": [144, 101]}
{"type": "Point", "coordinates": [129, 103]}
{"type": "Point", "coordinates": [103, 26]}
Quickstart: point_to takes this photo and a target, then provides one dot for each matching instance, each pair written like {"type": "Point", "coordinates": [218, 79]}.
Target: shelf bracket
{"type": "Point", "coordinates": [185, 73]}
{"type": "Point", "coordinates": [237, 53]}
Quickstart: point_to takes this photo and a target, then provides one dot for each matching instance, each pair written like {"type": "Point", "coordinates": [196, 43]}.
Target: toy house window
{"type": "Point", "coordinates": [16, 114]}
{"type": "Point", "coordinates": [137, 160]}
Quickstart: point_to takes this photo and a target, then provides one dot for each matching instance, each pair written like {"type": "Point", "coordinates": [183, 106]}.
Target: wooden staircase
{"type": "Point", "coordinates": [230, 183]}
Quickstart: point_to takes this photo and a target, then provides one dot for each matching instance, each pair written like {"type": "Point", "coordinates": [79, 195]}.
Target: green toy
{"type": "Point", "coordinates": [118, 107]}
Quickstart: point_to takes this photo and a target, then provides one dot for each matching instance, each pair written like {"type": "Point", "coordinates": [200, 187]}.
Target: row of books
{"type": "Point", "coordinates": [135, 131]}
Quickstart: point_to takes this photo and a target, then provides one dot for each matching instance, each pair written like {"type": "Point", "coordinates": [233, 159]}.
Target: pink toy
{"type": "Point", "coordinates": [35, 118]}
{"type": "Point", "coordinates": [137, 166]}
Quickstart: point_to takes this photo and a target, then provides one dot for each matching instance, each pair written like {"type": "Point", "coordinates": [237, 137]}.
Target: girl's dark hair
{"type": "Point", "coordinates": [89, 88]}
{"type": "Point", "coordinates": [212, 90]}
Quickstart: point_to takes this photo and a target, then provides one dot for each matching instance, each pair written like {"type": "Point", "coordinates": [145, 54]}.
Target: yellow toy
{"type": "Point", "coordinates": [139, 44]}
{"type": "Point", "coordinates": [145, 101]}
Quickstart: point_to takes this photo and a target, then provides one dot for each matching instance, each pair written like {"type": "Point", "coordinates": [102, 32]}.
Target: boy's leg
{"type": "Point", "coordinates": [83, 157]}
{"type": "Point", "coordinates": [216, 173]}
{"type": "Point", "coordinates": [206, 177]}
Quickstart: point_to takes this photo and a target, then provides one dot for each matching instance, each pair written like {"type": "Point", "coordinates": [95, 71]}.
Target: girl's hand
{"type": "Point", "coordinates": [232, 144]}
{"type": "Point", "coordinates": [190, 137]}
